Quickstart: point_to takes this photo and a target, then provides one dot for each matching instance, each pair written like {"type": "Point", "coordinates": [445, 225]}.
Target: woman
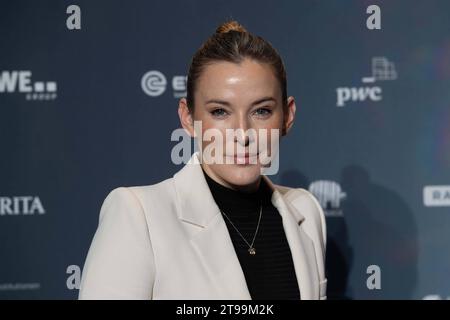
{"type": "Point", "coordinates": [216, 230]}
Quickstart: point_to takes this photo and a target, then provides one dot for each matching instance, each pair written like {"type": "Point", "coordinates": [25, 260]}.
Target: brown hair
{"type": "Point", "coordinates": [233, 43]}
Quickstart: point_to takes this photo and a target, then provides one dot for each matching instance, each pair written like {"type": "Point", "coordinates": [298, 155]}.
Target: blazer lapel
{"type": "Point", "coordinates": [211, 240]}
{"type": "Point", "coordinates": [213, 244]}
{"type": "Point", "coordinates": [301, 246]}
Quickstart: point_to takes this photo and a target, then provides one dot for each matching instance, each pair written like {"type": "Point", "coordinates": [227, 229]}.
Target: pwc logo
{"type": "Point", "coordinates": [382, 69]}
{"type": "Point", "coordinates": [19, 81]}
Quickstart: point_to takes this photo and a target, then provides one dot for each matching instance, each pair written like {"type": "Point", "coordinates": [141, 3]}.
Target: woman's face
{"type": "Point", "coordinates": [237, 96]}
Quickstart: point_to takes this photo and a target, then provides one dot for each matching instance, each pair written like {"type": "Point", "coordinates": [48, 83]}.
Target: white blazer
{"type": "Point", "coordinates": [170, 241]}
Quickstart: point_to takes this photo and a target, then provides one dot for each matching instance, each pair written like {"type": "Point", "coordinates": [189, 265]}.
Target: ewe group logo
{"type": "Point", "coordinates": [329, 194]}
{"type": "Point", "coordinates": [154, 84]}
{"type": "Point", "coordinates": [19, 81]}
{"type": "Point", "coordinates": [382, 70]}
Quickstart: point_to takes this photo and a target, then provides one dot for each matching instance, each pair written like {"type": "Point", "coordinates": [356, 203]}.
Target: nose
{"type": "Point", "coordinates": [244, 135]}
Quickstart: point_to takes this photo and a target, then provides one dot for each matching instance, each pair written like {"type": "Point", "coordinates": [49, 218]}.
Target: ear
{"type": "Point", "coordinates": [186, 118]}
{"type": "Point", "coordinates": [289, 115]}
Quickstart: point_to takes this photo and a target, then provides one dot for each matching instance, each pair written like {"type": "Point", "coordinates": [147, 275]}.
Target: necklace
{"type": "Point", "coordinates": [251, 248]}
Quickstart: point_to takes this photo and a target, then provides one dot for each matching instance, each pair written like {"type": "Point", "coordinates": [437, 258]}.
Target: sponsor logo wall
{"type": "Point", "coordinates": [88, 102]}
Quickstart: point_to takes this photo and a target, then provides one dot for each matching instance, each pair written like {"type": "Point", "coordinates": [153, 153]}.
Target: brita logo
{"type": "Point", "coordinates": [21, 82]}
{"type": "Point", "coordinates": [329, 194]}
{"type": "Point", "coordinates": [21, 205]}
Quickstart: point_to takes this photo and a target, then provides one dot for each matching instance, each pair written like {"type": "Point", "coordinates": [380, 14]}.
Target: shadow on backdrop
{"type": "Point", "coordinates": [376, 228]}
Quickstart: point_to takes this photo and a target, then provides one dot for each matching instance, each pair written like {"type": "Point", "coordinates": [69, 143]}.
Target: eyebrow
{"type": "Point", "coordinates": [226, 103]}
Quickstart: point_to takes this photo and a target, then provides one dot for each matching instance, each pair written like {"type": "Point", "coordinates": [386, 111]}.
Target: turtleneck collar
{"type": "Point", "coordinates": [235, 202]}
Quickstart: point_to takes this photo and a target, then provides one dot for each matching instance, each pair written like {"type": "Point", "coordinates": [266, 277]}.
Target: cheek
{"type": "Point", "coordinates": [207, 123]}
{"type": "Point", "coordinates": [272, 126]}
{"type": "Point", "coordinates": [214, 137]}
{"type": "Point", "coordinates": [269, 138]}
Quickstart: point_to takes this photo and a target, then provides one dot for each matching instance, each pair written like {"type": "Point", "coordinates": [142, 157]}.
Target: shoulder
{"type": "Point", "coordinates": [303, 200]}
{"type": "Point", "coordinates": [140, 197]}
{"type": "Point", "coordinates": [139, 192]}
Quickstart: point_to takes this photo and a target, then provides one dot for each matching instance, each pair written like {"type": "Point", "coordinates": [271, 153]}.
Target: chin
{"type": "Point", "coordinates": [242, 175]}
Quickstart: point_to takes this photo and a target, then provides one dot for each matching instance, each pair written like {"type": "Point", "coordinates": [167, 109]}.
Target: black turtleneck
{"type": "Point", "coordinates": [270, 273]}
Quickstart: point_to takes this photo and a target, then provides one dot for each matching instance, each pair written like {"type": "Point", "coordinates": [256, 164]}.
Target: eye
{"type": "Point", "coordinates": [263, 112]}
{"type": "Point", "coordinates": [219, 112]}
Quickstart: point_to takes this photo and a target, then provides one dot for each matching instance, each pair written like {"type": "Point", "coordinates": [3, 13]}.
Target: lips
{"type": "Point", "coordinates": [245, 158]}
{"type": "Point", "coordinates": [245, 155]}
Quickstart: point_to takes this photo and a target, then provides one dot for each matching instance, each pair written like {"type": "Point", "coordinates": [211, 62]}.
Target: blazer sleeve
{"type": "Point", "coordinates": [120, 262]}
{"type": "Point", "coordinates": [322, 226]}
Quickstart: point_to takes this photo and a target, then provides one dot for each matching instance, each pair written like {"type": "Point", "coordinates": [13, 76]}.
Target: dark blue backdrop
{"type": "Point", "coordinates": [371, 138]}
